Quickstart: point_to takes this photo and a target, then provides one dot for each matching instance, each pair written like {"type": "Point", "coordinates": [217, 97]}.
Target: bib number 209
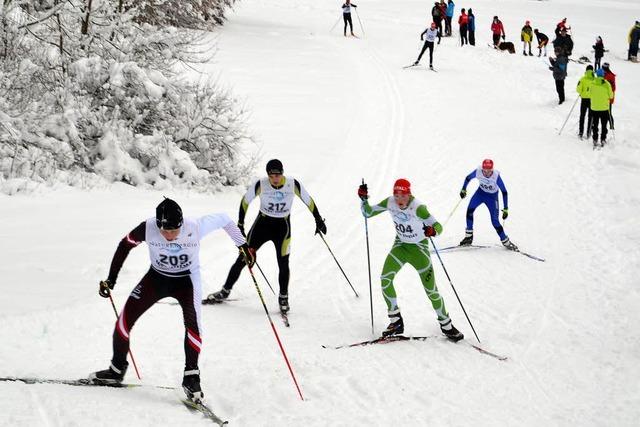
{"type": "Point", "coordinates": [174, 260]}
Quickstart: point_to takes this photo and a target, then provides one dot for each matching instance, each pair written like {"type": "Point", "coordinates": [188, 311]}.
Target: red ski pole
{"type": "Point", "coordinates": [135, 366]}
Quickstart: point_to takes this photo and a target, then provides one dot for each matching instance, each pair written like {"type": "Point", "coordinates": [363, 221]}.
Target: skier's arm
{"type": "Point", "coordinates": [503, 189]}
{"type": "Point", "coordinates": [128, 242]}
{"type": "Point", "coordinates": [423, 33]}
{"type": "Point", "coordinates": [428, 220]}
{"type": "Point", "coordinates": [212, 222]}
{"type": "Point", "coordinates": [252, 192]}
{"type": "Point", "coordinates": [467, 179]}
{"type": "Point", "coordinates": [369, 211]}
{"type": "Point", "coordinates": [306, 198]}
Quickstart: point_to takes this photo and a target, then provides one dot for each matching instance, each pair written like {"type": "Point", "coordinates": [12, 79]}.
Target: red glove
{"type": "Point", "coordinates": [363, 192]}
{"type": "Point", "coordinates": [429, 231]}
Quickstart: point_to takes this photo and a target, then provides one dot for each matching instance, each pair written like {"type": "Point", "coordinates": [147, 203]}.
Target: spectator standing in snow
{"type": "Point", "coordinates": [562, 25]}
{"type": "Point", "coordinates": [438, 15]}
{"type": "Point", "coordinates": [472, 28]}
{"type": "Point", "coordinates": [611, 78]}
{"type": "Point", "coordinates": [463, 22]}
{"type": "Point", "coordinates": [601, 97]}
{"type": "Point", "coordinates": [559, 68]}
{"type": "Point", "coordinates": [543, 41]}
{"type": "Point", "coordinates": [598, 48]}
{"type": "Point", "coordinates": [526, 35]}
{"type": "Point", "coordinates": [497, 29]}
{"type": "Point", "coordinates": [449, 16]}
{"type": "Point", "coordinates": [346, 16]}
{"type": "Point", "coordinates": [583, 89]}
{"type": "Point", "coordinates": [563, 43]}
{"type": "Point", "coordinates": [634, 40]}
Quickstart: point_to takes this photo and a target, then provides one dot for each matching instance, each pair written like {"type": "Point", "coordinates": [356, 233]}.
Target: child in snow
{"type": "Point", "coordinates": [526, 36]}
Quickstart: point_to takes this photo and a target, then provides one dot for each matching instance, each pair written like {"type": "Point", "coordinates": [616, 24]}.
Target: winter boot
{"type": "Point", "coordinates": [283, 302]}
{"type": "Point", "coordinates": [468, 238]}
{"type": "Point", "coordinates": [509, 245]}
{"type": "Point", "coordinates": [191, 385]}
{"type": "Point", "coordinates": [112, 376]}
{"type": "Point", "coordinates": [450, 331]}
{"type": "Point", "coordinates": [218, 297]}
{"type": "Point", "coordinates": [396, 327]}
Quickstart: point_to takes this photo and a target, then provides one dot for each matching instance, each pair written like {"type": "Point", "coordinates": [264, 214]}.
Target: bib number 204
{"type": "Point", "coordinates": [403, 229]}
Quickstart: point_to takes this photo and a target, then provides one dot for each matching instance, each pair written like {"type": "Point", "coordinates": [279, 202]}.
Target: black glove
{"type": "Point", "coordinates": [249, 254]}
{"type": "Point", "coordinates": [105, 288]}
{"type": "Point", "coordinates": [241, 227]}
{"type": "Point", "coordinates": [321, 227]}
{"type": "Point", "coordinates": [463, 193]}
{"type": "Point", "coordinates": [363, 191]}
{"type": "Point", "coordinates": [429, 231]}
{"type": "Point", "coordinates": [503, 37]}
{"type": "Point", "coordinates": [505, 213]}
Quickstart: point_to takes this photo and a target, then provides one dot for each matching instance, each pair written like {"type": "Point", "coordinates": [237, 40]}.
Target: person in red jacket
{"type": "Point", "coordinates": [463, 22]}
{"type": "Point", "coordinates": [611, 78]}
{"type": "Point", "coordinates": [497, 29]}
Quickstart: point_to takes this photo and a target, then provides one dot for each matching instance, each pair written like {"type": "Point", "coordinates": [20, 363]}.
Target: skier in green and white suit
{"type": "Point", "coordinates": [414, 225]}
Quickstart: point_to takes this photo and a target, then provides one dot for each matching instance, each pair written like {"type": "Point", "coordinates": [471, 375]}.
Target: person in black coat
{"type": "Point", "coordinates": [543, 41]}
{"type": "Point", "coordinates": [559, 69]}
{"type": "Point", "coordinates": [563, 43]}
{"type": "Point", "coordinates": [598, 48]}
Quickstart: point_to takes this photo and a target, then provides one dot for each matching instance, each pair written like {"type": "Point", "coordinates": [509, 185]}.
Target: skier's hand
{"type": "Point", "coordinates": [105, 288]}
{"type": "Point", "coordinates": [429, 231]}
{"type": "Point", "coordinates": [321, 227]}
{"type": "Point", "coordinates": [505, 213]}
{"type": "Point", "coordinates": [363, 192]}
{"type": "Point", "coordinates": [463, 193]}
{"type": "Point", "coordinates": [241, 227]}
{"type": "Point", "coordinates": [249, 254]}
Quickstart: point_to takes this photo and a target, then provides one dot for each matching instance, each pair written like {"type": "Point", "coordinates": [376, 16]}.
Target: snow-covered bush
{"type": "Point", "coordinates": [87, 88]}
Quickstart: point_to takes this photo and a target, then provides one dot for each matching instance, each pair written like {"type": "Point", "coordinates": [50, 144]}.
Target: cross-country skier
{"type": "Point", "coordinates": [346, 16]}
{"type": "Point", "coordinates": [543, 41]}
{"type": "Point", "coordinates": [526, 36]}
{"type": "Point", "coordinates": [583, 89]}
{"type": "Point", "coordinates": [276, 193]}
{"type": "Point", "coordinates": [601, 96]}
{"type": "Point", "coordinates": [174, 251]}
{"type": "Point", "coordinates": [431, 33]}
{"type": "Point", "coordinates": [414, 225]}
{"type": "Point", "coordinates": [490, 182]}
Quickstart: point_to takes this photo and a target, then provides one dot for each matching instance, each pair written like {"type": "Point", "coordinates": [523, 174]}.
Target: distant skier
{"type": "Point", "coordinates": [273, 223]}
{"type": "Point", "coordinates": [497, 29]}
{"type": "Point", "coordinates": [490, 182]}
{"type": "Point", "coordinates": [174, 251]}
{"type": "Point", "coordinates": [634, 41]}
{"type": "Point", "coordinates": [438, 14]}
{"type": "Point", "coordinates": [463, 22]}
{"type": "Point", "coordinates": [543, 41]}
{"type": "Point", "coordinates": [526, 36]}
{"type": "Point", "coordinates": [583, 89]}
{"type": "Point", "coordinates": [611, 78]}
{"type": "Point", "coordinates": [563, 44]}
{"type": "Point", "coordinates": [472, 28]}
{"type": "Point", "coordinates": [562, 25]}
{"type": "Point", "coordinates": [346, 16]}
{"type": "Point", "coordinates": [559, 69]}
{"type": "Point", "coordinates": [414, 225]}
{"type": "Point", "coordinates": [448, 17]}
{"type": "Point", "coordinates": [429, 35]}
{"type": "Point", "coordinates": [601, 97]}
{"type": "Point", "coordinates": [598, 49]}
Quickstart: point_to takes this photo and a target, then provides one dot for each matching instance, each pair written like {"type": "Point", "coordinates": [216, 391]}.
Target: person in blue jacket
{"type": "Point", "coordinates": [487, 194]}
{"type": "Point", "coordinates": [449, 15]}
{"type": "Point", "coordinates": [472, 28]}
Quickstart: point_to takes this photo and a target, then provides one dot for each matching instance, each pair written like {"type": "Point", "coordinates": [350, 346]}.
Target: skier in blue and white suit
{"type": "Point", "coordinates": [487, 193]}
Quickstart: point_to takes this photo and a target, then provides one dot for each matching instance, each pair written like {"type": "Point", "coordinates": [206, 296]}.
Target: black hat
{"type": "Point", "coordinates": [168, 215]}
{"type": "Point", "coordinates": [274, 166]}
{"type": "Point", "coordinates": [589, 67]}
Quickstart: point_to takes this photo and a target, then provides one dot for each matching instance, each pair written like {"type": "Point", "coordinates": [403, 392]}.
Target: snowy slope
{"type": "Point", "coordinates": [336, 110]}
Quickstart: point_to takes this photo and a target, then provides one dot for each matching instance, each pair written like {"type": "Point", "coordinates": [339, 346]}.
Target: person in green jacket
{"type": "Point", "coordinates": [526, 36]}
{"type": "Point", "coordinates": [584, 84]}
{"type": "Point", "coordinates": [414, 226]}
{"type": "Point", "coordinates": [601, 95]}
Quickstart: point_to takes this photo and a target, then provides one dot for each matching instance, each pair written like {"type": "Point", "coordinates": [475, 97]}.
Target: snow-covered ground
{"type": "Point", "coordinates": [336, 110]}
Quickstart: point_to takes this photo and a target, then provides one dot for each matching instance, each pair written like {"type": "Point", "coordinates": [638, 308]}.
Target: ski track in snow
{"type": "Point", "coordinates": [336, 110]}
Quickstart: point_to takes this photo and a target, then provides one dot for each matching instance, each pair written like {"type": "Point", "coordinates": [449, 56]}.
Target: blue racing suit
{"type": "Point", "coordinates": [487, 194]}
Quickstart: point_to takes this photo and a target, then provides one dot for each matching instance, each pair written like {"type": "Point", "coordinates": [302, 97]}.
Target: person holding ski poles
{"type": "Point", "coordinates": [414, 226]}
{"type": "Point", "coordinates": [490, 182]}
{"type": "Point", "coordinates": [583, 89]}
{"type": "Point", "coordinates": [174, 251]}
{"type": "Point", "coordinates": [346, 16]}
{"type": "Point", "coordinates": [431, 33]}
{"type": "Point", "coordinates": [273, 223]}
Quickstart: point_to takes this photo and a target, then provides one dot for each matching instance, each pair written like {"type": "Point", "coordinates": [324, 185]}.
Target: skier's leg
{"type": "Point", "coordinates": [188, 292]}
{"type": "Point", "coordinates": [583, 110]}
{"type": "Point", "coordinates": [491, 201]}
{"type": "Point", "coordinates": [420, 260]}
{"type": "Point", "coordinates": [424, 47]}
{"type": "Point", "coordinates": [345, 18]}
{"type": "Point", "coordinates": [589, 117]}
{"type": "Point", "coordinates": [350, 24]}
{"type": "Point", "coordinates": [475, 201]}
{"type": "Point", "coordinates": [604, 121]}
{"type": "Point", "coordinates": [430, 54]}
{"type": "Point", "coordinates": [282, 243]}
{"type": "Point", "coordinates": [594, 132]}
{"type": "Point", "coordinates": [392, 265]}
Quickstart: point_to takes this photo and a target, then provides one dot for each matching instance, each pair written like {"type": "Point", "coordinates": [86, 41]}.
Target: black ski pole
{"type": "Point", "coordinates": [339, 266]}
{"type": "Point", "coordinates": [454, 289]}
{"type": "Point", "coordinates": [361, 27]}
{"type": "Point", "coordinates": [569, 115]}
{"type": "Point", "coordinates": [366, 231]}
{"type": "Point", "coordinates": [265, 278]}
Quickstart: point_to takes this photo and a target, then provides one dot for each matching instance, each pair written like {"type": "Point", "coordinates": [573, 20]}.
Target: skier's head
{"type": "Point", "coordinates": [433, 25]}
{"type": "Point", "coordinates": [605, 66]}
{"type": "Point", "coordinates": [275, 171]}
{"type": "Point", "coordinates": [487, 167]}
{"type": "Point", "coordinates": [402, 192]}
{"type": "Point", "coordinates": [589, 67]}
{"type": "Point", "coordinates": [169, 218]}
{"type": "Point", "coordinates": [600, 72]}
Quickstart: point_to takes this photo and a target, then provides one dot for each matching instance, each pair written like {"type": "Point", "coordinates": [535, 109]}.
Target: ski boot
{"type": "Point", "coordinates": [450, 331]}
{"type": "Point", "coordinates": [191, 386]}
{"type": "Point", "coordinates": [509, 245]}
{"type": "Point", "coordinates": [415, 63]}
{"type": "Point", "coordinates": [430, 66]}
{"type": "Point", "coordinates": [580, 135]}
{"type": "Point", "coordinates": [217, 297]}
{"type": "Point", "coordinates": [396, 327]}
{"type": "Point", "coordinates": [111, 376]}
{"type": "Point", "coordinates": [468, 238]}
{"type": "Point", "coordinates": [283, 302]}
